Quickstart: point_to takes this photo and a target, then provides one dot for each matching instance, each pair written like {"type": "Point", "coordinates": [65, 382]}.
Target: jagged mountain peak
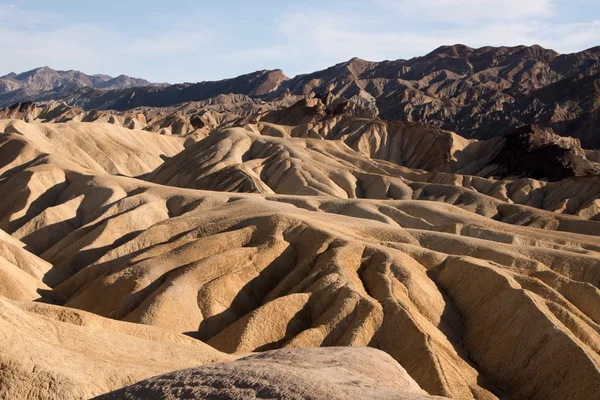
{"type": "Point", "coordinates": [454, 51]}
{"type": "Point", "coordinates": [46, 81]}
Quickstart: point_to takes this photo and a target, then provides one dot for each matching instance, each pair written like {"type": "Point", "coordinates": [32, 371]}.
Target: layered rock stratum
{"type": "Point", "coordinates": [294, 247]}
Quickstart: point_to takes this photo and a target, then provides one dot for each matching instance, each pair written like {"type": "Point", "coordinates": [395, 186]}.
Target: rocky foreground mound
{"type": "Point", "coordinates": [326, 373]}
{"type": "Point", "coordinates": [126, 254]}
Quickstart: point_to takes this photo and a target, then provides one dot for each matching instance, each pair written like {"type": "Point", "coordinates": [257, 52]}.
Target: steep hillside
{"type": "Point", "coordinates": [50, 352]}
{"type": "Point", "coordinates": [478, 93]}
{"type": "Point", "coordinates": [97, 148]}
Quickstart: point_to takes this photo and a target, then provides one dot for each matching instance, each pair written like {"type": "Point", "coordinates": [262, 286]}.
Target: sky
{"type": "Point", "coordinates": [192, 40]}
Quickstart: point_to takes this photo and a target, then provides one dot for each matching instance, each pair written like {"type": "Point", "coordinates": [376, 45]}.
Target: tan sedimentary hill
{"type": "Point", "coordinates": [479, 288]}
{"type": "Point", "coordinates": [332, 373]}
{"type": "Point", "coordinates": [192, 119]}
{"type": "Point", "coordinates": [249, 273]}
{"type": "Point", "coordinates": [98, 148]}
{"type": "Point", "coordinates": [21, 272]}
{"type": "Point", "coordinates": [529, 151]}
{"type": "Point", "coordinates": [242, 160]}
{"type": "Point", "coordinates": [50, 352]}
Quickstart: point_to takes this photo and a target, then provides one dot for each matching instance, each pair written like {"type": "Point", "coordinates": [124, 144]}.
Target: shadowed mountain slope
{"type": "Point", "coordinates": [478, 93]}
{"type": "Point", "coordinates": [256, 84]}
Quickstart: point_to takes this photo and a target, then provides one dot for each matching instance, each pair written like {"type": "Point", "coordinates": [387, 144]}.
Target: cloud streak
{"type": "Point", "coordinates": [32, 39]}
{"type": "Point", "coordinates": [469, 10]}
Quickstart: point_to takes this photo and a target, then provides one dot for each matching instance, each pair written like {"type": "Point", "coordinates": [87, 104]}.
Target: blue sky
{"type": "Point", "coordinates": [185, 40]}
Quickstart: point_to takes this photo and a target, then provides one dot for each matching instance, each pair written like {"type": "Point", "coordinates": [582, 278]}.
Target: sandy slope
{"type": "Point", "coordinates": [473, 294]}
{"type": "Point", "coordinates": [21, 272]}
{"type": "Point", "coordinates": [97, 148]}
{"type": "Point", "coordinates": [50, 352]}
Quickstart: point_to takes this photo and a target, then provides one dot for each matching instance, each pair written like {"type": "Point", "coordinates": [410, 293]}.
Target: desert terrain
{"type": "Point", "coordinates": [296, 242]}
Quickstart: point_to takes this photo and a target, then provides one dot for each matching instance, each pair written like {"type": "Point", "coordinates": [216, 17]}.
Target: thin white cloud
{"type": "Point", "coordinates": [91, 48]}
{"type": "Point", "coordinates": [13, 16]}
{"type": "Point", "coordinates": [469, 10]}
{"type": "Point", "coordinates": [6, 11]}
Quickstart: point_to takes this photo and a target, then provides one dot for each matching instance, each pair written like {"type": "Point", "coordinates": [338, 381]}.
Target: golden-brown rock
{"type": "Point", "coordinates": [50, 352]}
{"type": "Point", "coordinates": [478, 288]}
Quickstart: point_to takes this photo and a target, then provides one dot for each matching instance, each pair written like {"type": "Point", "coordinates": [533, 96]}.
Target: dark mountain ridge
{"type": "Point", "coordinates": [478, 93]}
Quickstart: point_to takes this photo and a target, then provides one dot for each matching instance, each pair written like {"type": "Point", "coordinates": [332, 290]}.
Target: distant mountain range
{"type": "Point", "coordinates": [45, 82]}
{"type": "Point", "coordinates": [478, 93]}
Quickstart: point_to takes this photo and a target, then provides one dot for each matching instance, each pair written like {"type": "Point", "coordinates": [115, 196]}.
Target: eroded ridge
{"type": "Point", "coordinates": [473, 294]}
